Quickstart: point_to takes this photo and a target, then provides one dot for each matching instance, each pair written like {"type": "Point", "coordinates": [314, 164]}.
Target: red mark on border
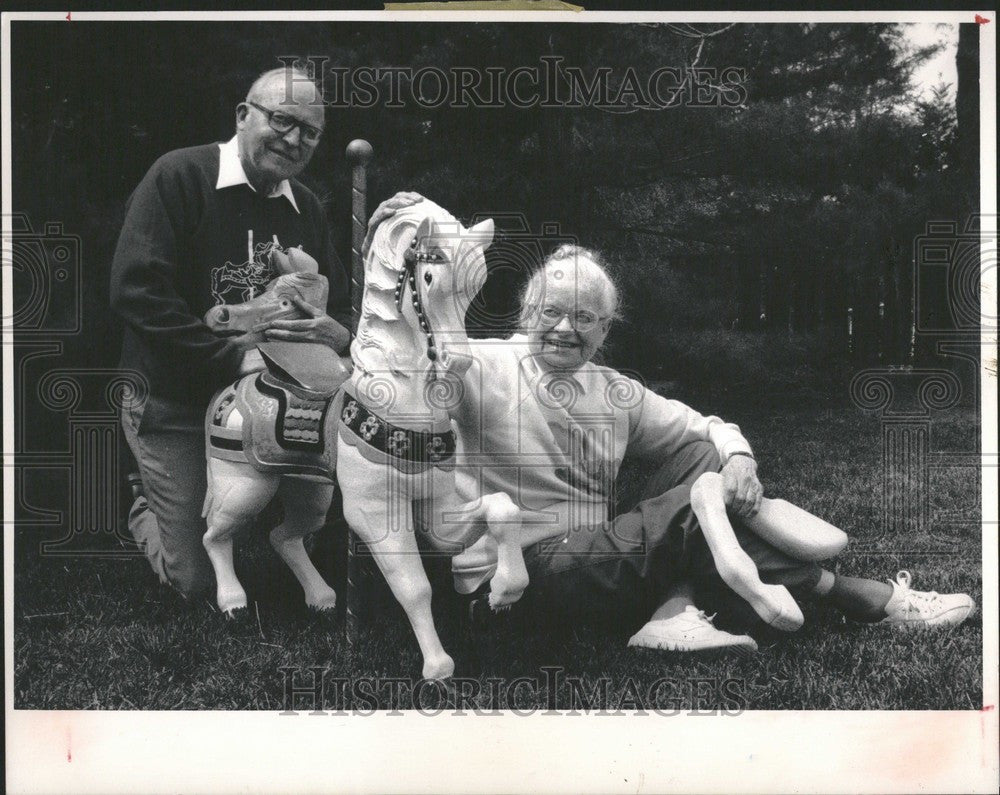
{"type": "Point", "coordinates": [982, 20]}
{"type": "Point", "coordinates": [69, 16]}
{"type": "Point", "coordinates": [988, 708]}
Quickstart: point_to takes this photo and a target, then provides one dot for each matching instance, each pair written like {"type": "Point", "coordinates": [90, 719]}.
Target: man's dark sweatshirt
{"type": "Point", "coordinates": [184, 248]}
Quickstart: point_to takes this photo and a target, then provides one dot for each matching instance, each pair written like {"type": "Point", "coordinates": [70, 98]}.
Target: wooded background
{"type": "Point", "coordinates": [740, 235]}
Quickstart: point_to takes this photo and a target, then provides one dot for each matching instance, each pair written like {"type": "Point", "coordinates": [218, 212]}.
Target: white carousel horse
{"type": "Point", "coordinates": [396, 448]}
{"type": "Point", "coordinates": [270, 434]}
{"type": "Point", "coordinates": [276, 432]}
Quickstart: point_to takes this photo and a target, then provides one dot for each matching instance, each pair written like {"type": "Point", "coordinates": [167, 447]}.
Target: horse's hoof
{"type": "Point", "coordinates": [232, 603]}
{"type": "Point", "coordinates": [507, 586]}
{"type": "Point", "coordinates": [440, 669]}
{"type": "Point", "coordinates": [502, 600]}
{"type": "Point", "coordinates": [778, 608]}
{"type": "Point", "coordinates": [323, 604]}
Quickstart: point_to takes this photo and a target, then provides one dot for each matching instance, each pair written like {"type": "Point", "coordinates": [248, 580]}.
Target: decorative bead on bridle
{"type": "Point", "coordinates": [409, 273]}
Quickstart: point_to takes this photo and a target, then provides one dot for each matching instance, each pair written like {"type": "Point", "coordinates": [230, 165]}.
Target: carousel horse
{"type": "Point", "coordinates": [396, 451]}
{"type": "Point", "coordinates": [276, 432]}
{"type": "Point", "coordinates": [272, 433]}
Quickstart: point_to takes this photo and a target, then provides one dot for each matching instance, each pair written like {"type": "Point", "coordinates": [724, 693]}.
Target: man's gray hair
{"type": "Point", "coordinates": [293, 75]}
{"type": "Point", "coordinates": [588, 264]}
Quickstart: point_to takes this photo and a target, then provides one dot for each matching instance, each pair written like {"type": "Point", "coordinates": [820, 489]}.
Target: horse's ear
{"type": "Point", "coordinates": [302, 262]}
{"type": "Point", "coordinates": [281, 261]}
{"type": "Point", "coordinates": [484, 231]}
{"type": "Point", "coordinates": [426, 231]}
{"type": "Point", "coordinates": [293, 260]}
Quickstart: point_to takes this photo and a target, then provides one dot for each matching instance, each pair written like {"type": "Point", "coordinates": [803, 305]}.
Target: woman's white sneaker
{"type": "Point", "coordinates": [910, 608]}
{"type": "Point", "coordinates": [691, 630]}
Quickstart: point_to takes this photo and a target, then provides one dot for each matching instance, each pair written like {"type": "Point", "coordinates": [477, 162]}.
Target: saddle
{"type": "Point", "coordinates": [288, 427]}
{"type": "Point", "coordinates": [309, 369]}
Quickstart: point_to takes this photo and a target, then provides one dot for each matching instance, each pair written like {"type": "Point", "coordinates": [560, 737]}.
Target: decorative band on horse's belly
{"type": "Point", "coordinates": [411, 452]}
{"type": "Point", "coordinates": [286, 429]}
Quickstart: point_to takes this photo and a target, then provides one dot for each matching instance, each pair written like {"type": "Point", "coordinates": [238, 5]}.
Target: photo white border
{"type": "Point", "coordinates": [84, 751]}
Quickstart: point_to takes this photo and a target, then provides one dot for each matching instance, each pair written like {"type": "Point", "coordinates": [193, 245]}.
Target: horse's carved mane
{"type": "Point", "coordinates": [385, 340]}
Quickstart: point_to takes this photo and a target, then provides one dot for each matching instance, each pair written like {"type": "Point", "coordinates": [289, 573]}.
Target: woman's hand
{"type": "Point", "coordinates": [743, 490]}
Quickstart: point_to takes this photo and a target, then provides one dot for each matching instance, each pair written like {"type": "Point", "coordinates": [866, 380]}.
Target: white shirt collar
{"type": "Point", "coordinates": [231, 173]}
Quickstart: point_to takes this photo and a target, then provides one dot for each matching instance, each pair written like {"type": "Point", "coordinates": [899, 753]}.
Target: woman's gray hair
{"type": "Point", "coordinates": [589, 266]}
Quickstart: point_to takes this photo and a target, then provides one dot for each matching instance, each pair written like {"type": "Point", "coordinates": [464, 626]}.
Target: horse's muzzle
{"type": "Point", "coordinates": [456, 362]}
{"type": "Point", "coordinates": [250, 316]}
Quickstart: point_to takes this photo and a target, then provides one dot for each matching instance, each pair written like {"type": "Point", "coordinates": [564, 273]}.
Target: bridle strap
{"type": "Point", "coordinates": [409, 274]}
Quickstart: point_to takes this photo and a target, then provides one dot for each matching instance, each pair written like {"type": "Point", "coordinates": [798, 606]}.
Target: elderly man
{"type": "Point", "coordinates": [199, 231]}
{"type": "Point", "coordinates": [553, 430]}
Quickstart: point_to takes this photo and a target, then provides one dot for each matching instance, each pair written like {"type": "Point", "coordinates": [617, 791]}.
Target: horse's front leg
{"type": "Point", "coordinates": [455, 524]}
{"type": "Point", "coordinates": [773, 603]}
{"type": "Point", "coordinates": [379, 511]}
{"type": "Point", "coordinates": [236, 494]}
{"type": "Point", "coordinates": [503, 522]}
{"type": "Point", "coordinates": [306, 503]}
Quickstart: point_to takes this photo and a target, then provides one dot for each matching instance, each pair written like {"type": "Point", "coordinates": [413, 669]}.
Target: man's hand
{"type": "Point", "coordinates": [387, 209]}
{"type": "Point", "coordinates": [316, 327]}
{"type": "Point", "coordinates": [743, 490]}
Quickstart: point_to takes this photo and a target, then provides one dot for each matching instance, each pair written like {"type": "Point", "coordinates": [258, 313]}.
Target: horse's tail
{"type": "Point", "coordinates": [216, 422]}
{"type": "Point", "coordinates": [206, 508]}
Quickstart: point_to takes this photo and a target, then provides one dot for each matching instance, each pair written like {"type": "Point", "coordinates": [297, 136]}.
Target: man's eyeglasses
{"type": "Point", "coordinates": [581, 320]}
{"type": "Point", "coordinates": [284, 124]}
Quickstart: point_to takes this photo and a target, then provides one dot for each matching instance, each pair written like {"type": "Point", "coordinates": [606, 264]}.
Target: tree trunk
{"type": "Point", "coordinates": [793, 295]}
{"type": "Point", "coordinates": [967, 114]}
{"type": "Point", "coordinates": [902, 305]}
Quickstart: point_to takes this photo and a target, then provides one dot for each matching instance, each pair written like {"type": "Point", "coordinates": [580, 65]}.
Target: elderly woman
{"type": "Point", "coordinates": [553, 428]}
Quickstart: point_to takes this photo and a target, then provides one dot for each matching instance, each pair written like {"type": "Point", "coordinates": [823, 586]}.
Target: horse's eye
{"type": "Point", "coordinates": [427, 277]}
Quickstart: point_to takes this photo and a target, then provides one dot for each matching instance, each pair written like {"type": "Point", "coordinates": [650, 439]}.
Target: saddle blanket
{"type": "Point", "coordinates": [274, 426]}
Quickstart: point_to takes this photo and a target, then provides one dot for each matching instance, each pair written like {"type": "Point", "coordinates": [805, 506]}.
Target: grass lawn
{"type": "Point", "coordinates": [100, 633]}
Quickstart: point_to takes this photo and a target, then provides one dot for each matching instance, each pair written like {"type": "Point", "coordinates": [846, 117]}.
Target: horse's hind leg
{"type": "Point", "coordinates": [237, 494]}
{"type": "Point", "coordinates": [306, 503]}
{"type": "Point", "coordinates": [796, 532]}
{"type": "Point", "coordinates": [773, 603]}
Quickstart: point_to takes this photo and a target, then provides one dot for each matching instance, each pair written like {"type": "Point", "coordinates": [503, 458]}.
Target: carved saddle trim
{"type": "Point", "coordinates": [222, 442]}
{"type": "Point", "coordinates": [382, 442]}
{"type": "Point", "coordinates": [301, 415]}
{"type": "Point", "coordinates": [277, 430]}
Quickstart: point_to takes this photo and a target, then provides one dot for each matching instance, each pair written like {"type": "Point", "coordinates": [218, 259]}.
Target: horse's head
{"type": "Point", "coordinates": [444, 267]}
{"type": "Point", "coordinates": [425, 268]}
{"type": "Point", "coordinates": [275, 303]}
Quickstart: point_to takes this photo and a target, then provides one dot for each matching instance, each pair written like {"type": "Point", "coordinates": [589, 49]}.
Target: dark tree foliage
{"type": "Point", "coordinates": [728, 226]}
